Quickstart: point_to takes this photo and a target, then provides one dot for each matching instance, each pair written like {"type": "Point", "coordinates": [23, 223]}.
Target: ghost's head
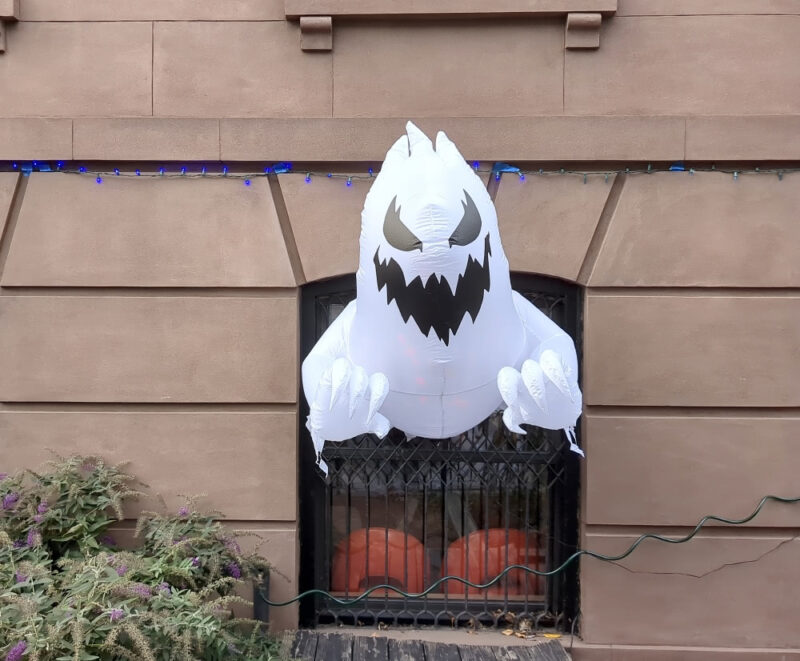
{"type": "Point", "coordinates": [429, 238]}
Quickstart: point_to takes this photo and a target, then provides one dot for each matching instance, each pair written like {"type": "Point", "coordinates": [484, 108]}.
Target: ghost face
{"type": "Point", "coordinates": [429, 238]}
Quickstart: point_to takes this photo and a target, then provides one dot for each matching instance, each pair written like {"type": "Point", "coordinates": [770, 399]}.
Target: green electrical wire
{"type": "Point", "coordinates": [560, 568]}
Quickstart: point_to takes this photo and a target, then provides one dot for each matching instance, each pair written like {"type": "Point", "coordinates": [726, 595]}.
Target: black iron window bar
{"type": "Point", "coordinates": [407, 511]}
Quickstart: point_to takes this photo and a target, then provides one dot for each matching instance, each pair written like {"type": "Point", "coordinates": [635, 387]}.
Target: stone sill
{"type": "Point", "coordinates": [551, 138]}
{"type": "Point", "coordinates": [443, 8]}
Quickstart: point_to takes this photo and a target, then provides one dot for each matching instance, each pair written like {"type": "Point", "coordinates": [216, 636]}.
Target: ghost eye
{"type": "Point", "coordinates": [470, 225]}
{"type": "Point", "coordinates": [396, 233]}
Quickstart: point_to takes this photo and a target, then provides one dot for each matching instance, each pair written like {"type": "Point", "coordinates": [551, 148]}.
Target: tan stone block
{"type": "Point", "coordinates": [77, 69]}
{"type": "Point", "coordinates": [280, 547]}
{"type": "Point", "coordinates": [684, 350]}
{"type": "Point", "coordinates": [243, 462]}
{"type": "Point", "coordinates": [546, 223]}
{"type": "Point", "coordinates": [148, 349]}
{"type": "Point", "coordinates": [326, 222]}
{"type": "Point", "coordinates": [749, 603]}
{"type": "Point", "coordinates": [147, 139]}
{"type": "Point", "coordinates": [147, 232]}
{"type": "Point", "coordinates": [8, 184]}
{"type": "Point", "coordinates": [668, 462]}
{"type": "Point", "coordinates": [706, 229]}
{"type": "Point", "coordinates": [153, 10]}
{"type": "Point", "coordinates": [497, 68]}
{"type": "Point", "coordinates": [484, 138]}
{"type": "Point", "coordinates": [30, 139]}
{"type": "Point", "coordinates": [742, 138]}
{"type": "Point", "coordinates": [705, 7]}
{"type": "Point", "coordinates": [642, 67]}
{"type": "Point", "coordinates": [257, 70]}
{"type": "Point", "coordinates": [9, 10]}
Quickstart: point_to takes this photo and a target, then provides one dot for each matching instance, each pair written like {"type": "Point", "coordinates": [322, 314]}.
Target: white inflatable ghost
{"type": "Point", "coordinates": [436, 339]}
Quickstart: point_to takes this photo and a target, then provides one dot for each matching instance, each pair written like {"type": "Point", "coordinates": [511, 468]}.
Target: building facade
{"type": "Point", "coordinates": [157, 319]}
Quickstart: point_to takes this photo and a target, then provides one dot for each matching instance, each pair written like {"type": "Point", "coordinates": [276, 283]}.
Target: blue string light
{"type": "Point", "coordinates": [521, 176]}
{"type": "Point", "coordinates": [246, 182]}
{"type": "Point", "coordinates": [162, 170]}
{"type": "Point", "coordinates": [138, 172]}
{"type": "Point", "coordinates": [81, 169]}
{"type": "Point", "coordinates": [349, 181]}
{"type": "Point", "coordinates": [99, 180]}
{"type": "Point", "coordinates": [183, 170]}
{"type": "Point", "coordinates": [116, 171]}
{"type": "Point", "coordinates": [225, 170]}
{"type": "Point", "coordinates": [329, 175]}
{"type": "Point", "coordinates": [308, 177]}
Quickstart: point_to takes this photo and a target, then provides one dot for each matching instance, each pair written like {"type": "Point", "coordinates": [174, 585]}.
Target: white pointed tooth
{"type": "Point", "coordinates": [511, 422]}
{"type": "Point", "coordinates": [533, 378]}
{"type": "Point", "coordinates": [508, 384]}
{"type": "Point", "coordinates": [554, 370]}
{"type": "Point", "coordinates": [359, 381]}
{"type": "Point", "coordinates": [340, 376]}
{"type": "Point", "coordinates": [378, 389]}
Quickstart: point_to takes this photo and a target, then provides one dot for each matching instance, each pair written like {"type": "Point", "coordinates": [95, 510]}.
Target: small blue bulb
{"type": "Point", "coordinates": [370, 172]}
{"type": "Point", "coordinates": [308, 178]}
{"type": "Point", "coordinates": [521, 177]}
{"type": "Point", "coordinates": [203, 171]}
{"type": "Point", "coordinates": [267, 170]}
{"type": "Point", "coordinates": [60, 164]}
{"type": "Point", "coordinates": [116, 171]}
{"type": "Point", "coordinates": [475, 164]}
{"type": "Point", "coordinates": [349, 181]}
{"type": "Point", "coordinates": [162, 171]}
{"type": "Point", "coordinates": [138, 172]}
{"type": "Point", "coordinates": [224, 169]}
{"type": "Point", "coordinates": [183, 170]}
{"type": "Point", "coordinates": [497, 176]}
{"type": "Point", "coordinates": [329, 175]}
{"type": "Point", "coordinates": [246, 182]}
{"type": "Point", "coordinates": [14, 165]}
{"type": "Point", "coordinates": [99, 180]}
{"type": "Point", "coordinates": [81, 169]}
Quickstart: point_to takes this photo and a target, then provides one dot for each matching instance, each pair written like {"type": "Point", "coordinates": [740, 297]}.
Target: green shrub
{"type": "Point", "coordinates": [68, 593]}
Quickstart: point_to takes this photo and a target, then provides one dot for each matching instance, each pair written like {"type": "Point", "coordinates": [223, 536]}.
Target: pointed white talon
{"type": "Point", "coordinates": [508, 419]}
{"type": "Point", "coordinates": [359, 381]}
{"type": "Point", "coordinates": [508, 384]}
{"type": "Point", "coordinates": [533, 378]}
{"type": "Point", "coordinates": [379, 388]}
{"type": "Point", "coordinates": [554, 370]}
{"type": "Point", "coordinates": [340, 376]}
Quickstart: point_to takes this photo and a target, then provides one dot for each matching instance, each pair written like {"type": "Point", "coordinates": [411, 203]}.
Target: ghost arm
{"type": "Point", "coordinates": [543, 390]}
{"type": "Point", "coordinates": [343, 399]}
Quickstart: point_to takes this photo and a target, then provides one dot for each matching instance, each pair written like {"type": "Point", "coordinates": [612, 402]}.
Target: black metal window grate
{"type": "Point", "coordinates": [407, 511]}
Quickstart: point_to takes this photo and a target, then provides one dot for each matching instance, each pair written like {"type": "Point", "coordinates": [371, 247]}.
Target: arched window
{"type": "Point", "coordinates": [406, 512]}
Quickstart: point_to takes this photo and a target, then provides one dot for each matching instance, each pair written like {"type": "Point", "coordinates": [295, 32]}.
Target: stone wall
{"type": "Point", "coordinates": [157, 319]}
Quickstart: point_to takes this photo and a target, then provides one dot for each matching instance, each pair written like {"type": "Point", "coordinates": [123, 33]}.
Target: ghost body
{"type": "Point", "coordinates": [436, 340]}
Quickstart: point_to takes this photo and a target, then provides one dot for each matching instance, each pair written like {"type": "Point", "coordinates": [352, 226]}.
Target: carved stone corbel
{"type": "Point", "coordinates": [9, 13]}
{"type": "Point", "coordinates": [316, 33]}
{"type": "Point", "coordinates": [583, 30]}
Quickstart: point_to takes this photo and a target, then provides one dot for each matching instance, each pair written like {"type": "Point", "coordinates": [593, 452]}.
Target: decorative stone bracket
{"type": "Point", "coordinates": [9, 13]}
{"type": "Point", "coordinates": [583, 17]}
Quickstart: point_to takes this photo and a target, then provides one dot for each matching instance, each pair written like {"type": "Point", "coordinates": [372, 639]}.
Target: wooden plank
{"type": "Point", "coordinates": [546, 651]}
{"type": "Point", "coordinates": [334, 647]}
{"type": "Point", "coordinates": [369, 648]}
{"type": "Point", "coordinates": [441, 652]}
{"type": "Point", "coordinates": [304, 647]}
{"type": "Point", "coordinates": [476, 653]}
{"type": "Point", "coordinates": [406, 650]}
{"type": "Point", "coordinates": [507, 654]}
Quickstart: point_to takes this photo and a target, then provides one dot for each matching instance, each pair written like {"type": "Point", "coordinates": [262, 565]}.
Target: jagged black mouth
{"type": "Point", "coordinates": [434, 305]}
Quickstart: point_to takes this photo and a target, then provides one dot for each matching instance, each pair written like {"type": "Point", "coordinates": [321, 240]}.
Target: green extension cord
{"type": "Point", "coordinates": [562, 567]}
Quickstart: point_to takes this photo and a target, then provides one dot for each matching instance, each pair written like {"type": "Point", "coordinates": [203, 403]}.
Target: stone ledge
{"type": "Point", "coordinates": [448, 8]}
{"type": "Point", "coordinates": [538, 138]}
